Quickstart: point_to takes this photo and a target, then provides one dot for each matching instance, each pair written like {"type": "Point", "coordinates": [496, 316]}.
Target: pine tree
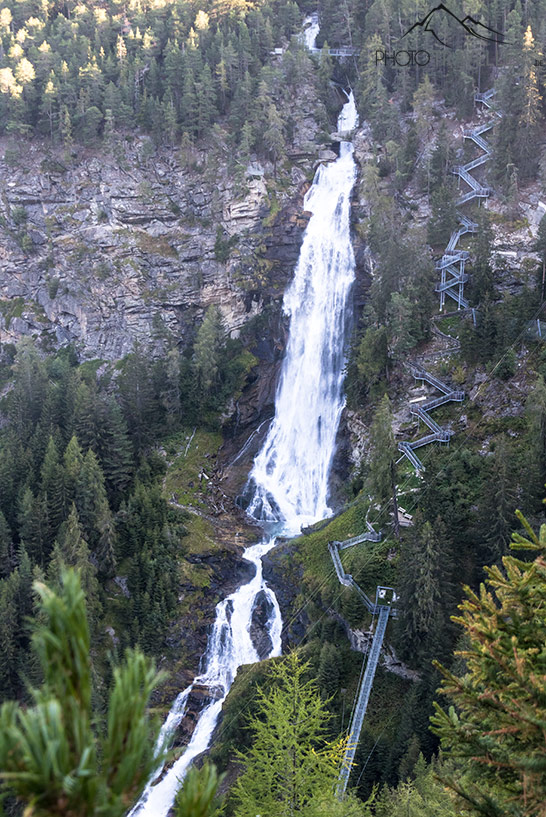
{"type": "Point", "coordinates": [34, 528]}
{"type": "Point", "coordinates": [206, 351]}
{"type": "Point", "coordinates": [535, 410]}
{"type": "Point", "coordinates": [382, 452]}
{"type": "Point", "coordinates": [443, 217]}
{"type": "Point", "coordinates": [289, 768]}
{"type": "Point", "coordinates": [496, 734]}
{"type": "Point", "coordinates": [273, 137]}
{"type": "Point", "coordinates": [424, 796]}
{"type": "Point", "coordinates": [482, 273]}
{"type": "Point", "coordinates": [114, 449]}
{"type": "Point", "coordinates": [372, 357]}
{"type": "Point", "coordinates": [91, 501]}
{"type": "Point", "coordinates": [51, 755]}
{"type": "Point", "coordinates": [530, 117]}
{"type": "Point", "coordinates": [6, 548]}
{"type": "Point", "coordinates": [72, 550]}
{"type": "Point", "coordinates": [72, 462]}
{"type": "Point", "coordinates": [198, 796]}
{"type": "Point", "coordinates": [426, 592]}
{"type": "Point", "coordinates": [499, 503]}
{"type": "Point", "coordinates": [328, 671]}
{"type": "Point", "coordinates": [137, 398]}
{"type": "Point", "coordinates": [52, 486]}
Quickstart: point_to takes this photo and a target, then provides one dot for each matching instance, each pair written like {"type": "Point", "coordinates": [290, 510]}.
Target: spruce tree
{"type": "Point", "coordinates": [71, 550]}
{"type": "Point", "coordinates": [206, 351]}
{"type": "Point", "coordinates": [53, 757]}
{"type": "Point", "coordinates": [482, 273]}
{"type": "Point", "coordinates": [495, 736]}
{"type": "Point", "coordinates": [52, 486]}
{"type": "Point", "coordinates": [499, 502]}
{"type": "Point", "coordinates": [90, 497]}
{"type": "Point", "coordinates": [381, 456]}
{"type": "Point", "coordinates": [289, 768]}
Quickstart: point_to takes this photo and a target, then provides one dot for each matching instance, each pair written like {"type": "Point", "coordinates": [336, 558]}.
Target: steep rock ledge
{"type": "Point", "coordinates": [104, 253]}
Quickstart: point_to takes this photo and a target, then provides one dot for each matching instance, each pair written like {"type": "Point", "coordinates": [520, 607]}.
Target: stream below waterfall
{"type": "Point", "coordinates": [288, 483]}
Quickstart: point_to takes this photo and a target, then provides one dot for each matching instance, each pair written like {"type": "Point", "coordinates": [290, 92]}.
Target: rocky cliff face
{"type": "Point", "coordinates": [131, 243]}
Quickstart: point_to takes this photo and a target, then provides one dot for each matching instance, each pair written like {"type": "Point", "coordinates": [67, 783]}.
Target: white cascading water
{"type": "Point", "coordinates": [311, 31]}
{"type": "Point", "coordinates": [289, 480]}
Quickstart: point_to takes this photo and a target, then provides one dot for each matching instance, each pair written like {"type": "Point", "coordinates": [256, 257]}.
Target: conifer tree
{"type": "Point", "coordinates": [289, 767]}
{"type": "Point", "coordinates": [51, 755]}
{"type": "Point", "coordinates": [499, 502]}
{"type": "Point", "coordinates": [496, 734]}
{"type": "Point", "coordinates": [443, 217]}
{"type": "Point", "coordinates": [382, 451]}
{"type": "Point", "coordinates": [72, 462]}
{"type": "Point", "coordinates": [206, 350]}
{"type": "Point", "coordinates": [482, 273]}
{"type": "Point", "coordinates": [114, 449]}
{"type": "Point", "coordinates": [535, 410]}
{"type": "Point", "coordinates": [52, 486]}
{"type": "Point", "coordinates": [91, 501]}
{"type": "Point", "coordinates": [530, 117]}
{"type": "Point", "coordinates": [426, 592]}
{"type": "Point", "coordinates": [34, 528]}
{"type": "Point", "coordinates": [71, 550]}
{"type": "Point", "coordinates": [6, 547]}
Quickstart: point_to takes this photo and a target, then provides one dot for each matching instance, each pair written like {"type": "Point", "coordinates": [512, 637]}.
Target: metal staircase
{"type": "Point", "coordinates": [381, 608]}
{"type": "Point", "coordinates": [452, 264]}
{"type": "Point", "coordinates": [362, 703]}
{"type": "Point", "coordinates": [422, 410]}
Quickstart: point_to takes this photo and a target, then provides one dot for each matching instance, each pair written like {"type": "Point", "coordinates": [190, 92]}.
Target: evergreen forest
{"type": "Point", "coordinates": [122, 512]}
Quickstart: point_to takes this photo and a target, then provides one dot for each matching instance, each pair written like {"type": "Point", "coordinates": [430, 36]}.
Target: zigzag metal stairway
{"type": "Point", "coordinates": [452, 264]}
{"type": "Point", "coordinates": [452, 280]}
{"type": "Point", "coordinates": [422, 412]}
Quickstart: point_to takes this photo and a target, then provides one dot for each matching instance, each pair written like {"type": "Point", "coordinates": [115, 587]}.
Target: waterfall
{"type": "Point", "coordinates": [310, 32]}
{"type": "Point", "coordinates": [288, 484]}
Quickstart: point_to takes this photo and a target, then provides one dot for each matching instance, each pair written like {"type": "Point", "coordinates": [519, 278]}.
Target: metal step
{"type": "Point", "coordinates": [460, 279]}
{"type": "Point", "coordinates": [428, 421]}
{"type": "Point", "coordinates": [455, 295]}
{"type": "Point", "coordinates": [438, 436]}
{"type": "Point", "coordinates": [481, 160]}
{"type": "Point", "coordinates": [362, 702]}
{"type": "Point", "coordinates": [421, 374]}
{"type": "Point", "coordinates": [407, 450]}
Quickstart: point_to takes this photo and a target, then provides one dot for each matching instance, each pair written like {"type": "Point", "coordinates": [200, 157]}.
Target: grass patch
{"type": "Point", "coordinates": [157, 245]}
{"type": "Point", "coordinates": [450, 326]}
{"type": "Point", "coordinates": [12, 308]}
{"type": "Point", "coordinates": [190, 453]}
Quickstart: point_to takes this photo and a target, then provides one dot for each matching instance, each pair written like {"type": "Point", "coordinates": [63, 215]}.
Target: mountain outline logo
{"type": "Point", "coordinates": [472, 26]}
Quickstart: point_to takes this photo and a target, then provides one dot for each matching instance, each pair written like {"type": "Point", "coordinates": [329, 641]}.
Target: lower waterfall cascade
{"type": "Point", "coordinates": [288, 484]}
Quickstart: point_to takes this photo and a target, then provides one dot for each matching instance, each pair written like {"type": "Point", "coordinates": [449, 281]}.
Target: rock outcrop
{"type": "Point", "coordinates": [131, 243]}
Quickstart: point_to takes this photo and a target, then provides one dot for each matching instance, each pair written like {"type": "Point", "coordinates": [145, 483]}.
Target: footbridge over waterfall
{"type": "Point", "coordinates": [342, 51]}
{"type": "Point", "coordinates": [422, 409]}
{"type": "Point", "coordinates": [383, 607]}
{"type": "Point", "coordinates": [452, 264]}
